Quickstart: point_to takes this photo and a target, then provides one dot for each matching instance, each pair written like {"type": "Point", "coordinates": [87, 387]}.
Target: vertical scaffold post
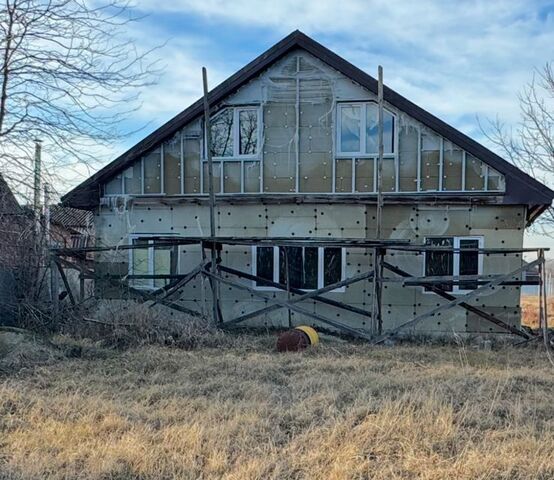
{"type": "Point", "coordinates": [207, 136]}
{"type": "Point", "coordinates": [543, 299]}
{"type": "Point", "coordinates": [541, 283]}
{"type": "Point", "coordinates": [378, 217]}
{"type": "Point", "coordinates": [287, 270]}
{"type": "Point", "coordinates": [376, 322]}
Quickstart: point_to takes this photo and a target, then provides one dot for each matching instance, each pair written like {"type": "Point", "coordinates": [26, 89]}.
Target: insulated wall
{"type": "Point", "coordinates": [301, 127]}
{"type": "Point", "coordinates": [498, 226]}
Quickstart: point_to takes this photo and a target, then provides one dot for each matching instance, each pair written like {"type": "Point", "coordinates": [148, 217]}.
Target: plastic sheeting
{"type": "Point", "coordinates": [279, 135]}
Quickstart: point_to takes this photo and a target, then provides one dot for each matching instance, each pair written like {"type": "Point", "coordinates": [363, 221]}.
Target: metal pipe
{"type": "Point", "coordinates": [457, 301]}
{"type": "Point", "coordinates": [304, 295]}
{"type": "Point", "coordinates": [290, 305]}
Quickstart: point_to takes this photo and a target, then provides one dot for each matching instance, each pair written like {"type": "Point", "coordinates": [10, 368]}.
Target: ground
{"type": "Point", "coordinates": [530, 311]}
{"type": "Point", "coordinates": [243, 411]}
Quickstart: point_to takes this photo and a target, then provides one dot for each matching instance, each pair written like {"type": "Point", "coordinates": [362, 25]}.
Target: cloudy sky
{"type": "Point", "coordinates": [461, 60]}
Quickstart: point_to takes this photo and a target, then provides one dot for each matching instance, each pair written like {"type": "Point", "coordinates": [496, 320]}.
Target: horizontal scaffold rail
{"type": "Point", "coordinates": [529, 273]}
{"type": "Point", "coordinates": [487, 251]}
{"type": "Point", "coordinates": [384, 245]}
{"type": "Point", "coordinates": [457, 280]}
{"type": "Point", "coordinates": [251, 241]}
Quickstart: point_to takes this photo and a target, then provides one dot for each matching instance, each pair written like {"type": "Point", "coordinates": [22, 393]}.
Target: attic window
{"type": "Point", "coordinates": [234, 136]}
{"type": "Point", "coordinates": [358, 129]}
{"type": "Point", "coordinates": [234, 133]}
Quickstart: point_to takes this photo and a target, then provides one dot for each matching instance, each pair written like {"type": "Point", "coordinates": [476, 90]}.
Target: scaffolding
{"type": "Point", "coordinates": [383, 272]}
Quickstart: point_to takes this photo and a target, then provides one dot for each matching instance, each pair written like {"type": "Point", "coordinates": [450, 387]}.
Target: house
{"type": "Point", "coordinates": [71, 227]}
{"type": "Point", "coordinates": [295, 147]}
{"type": "Point", "coordinates": [23, 254]}
{"type": "Point", "coordinates": [15, 228]}
{"type": "Point", "coordinates": [15, 248]}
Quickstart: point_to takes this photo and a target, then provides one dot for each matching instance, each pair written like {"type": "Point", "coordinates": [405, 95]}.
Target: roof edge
{"type": "Point", "coordinates": [535, 192]}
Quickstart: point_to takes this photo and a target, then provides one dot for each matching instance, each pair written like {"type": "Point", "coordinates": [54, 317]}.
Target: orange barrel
{"type": "Point", "coordinates": [297, 339]}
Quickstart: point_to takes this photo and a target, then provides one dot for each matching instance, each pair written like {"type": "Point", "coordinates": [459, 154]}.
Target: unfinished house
{"type": "Point", "coordinates": [295, 152]}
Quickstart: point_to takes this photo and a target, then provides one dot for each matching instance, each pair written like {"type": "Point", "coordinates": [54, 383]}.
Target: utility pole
{"type": "Point", "coordinates": [48, 259]}
{"type": "Point", "coordinates": [47, 215]}
{"type": "Point", "coordinates": [36, 186]}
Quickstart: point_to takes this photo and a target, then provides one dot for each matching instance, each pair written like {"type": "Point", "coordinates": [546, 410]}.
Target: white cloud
{"type": "Point", "coordinates": [453, 58]}
{"type": "Point", "coordinates": [458, 60]}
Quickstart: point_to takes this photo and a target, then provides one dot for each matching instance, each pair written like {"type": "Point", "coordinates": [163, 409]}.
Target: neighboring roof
{"type": "Point", "coordinates": [8, 203]}
{"type": "Point", "coordinates": [520, 187]}
{"type": "Point", "coordinates": [70, 217]}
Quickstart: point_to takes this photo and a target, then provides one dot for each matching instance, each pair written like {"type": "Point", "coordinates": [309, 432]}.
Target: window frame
{"type": "Point", "coordinates": [320, 269]}
{"type": "Point", "coordinates": [362, 155]}
{"type": "Point", "coordinates": [236, 156]}
{"type": "Point", "coordinates": [363, 127]}
{"type": "Point", "coordinates": [150, 238]}
{"type": "Point", "coordinates": [456, 290]}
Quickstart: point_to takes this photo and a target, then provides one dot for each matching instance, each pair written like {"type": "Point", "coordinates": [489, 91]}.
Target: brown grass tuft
{"type": "Point", "coordinates": [339, 411]}
{"type": "Point", "coordinates": [530, 311]}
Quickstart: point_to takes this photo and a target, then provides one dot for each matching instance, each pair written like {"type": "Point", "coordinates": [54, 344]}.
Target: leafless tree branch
{"type": "Point", "coordinates": [69, 75]}
{"type": "Point", "coordinates": [530, 144]}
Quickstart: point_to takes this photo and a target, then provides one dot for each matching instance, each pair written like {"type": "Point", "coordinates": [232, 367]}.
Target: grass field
{"type": "Point", "coordinates": [530, 311]}
{"type": "Point", "coordinates": [338, 411]}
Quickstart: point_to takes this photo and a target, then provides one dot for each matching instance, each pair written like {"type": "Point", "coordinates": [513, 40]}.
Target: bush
{"type": "Point", "coordinates": [127, 323]}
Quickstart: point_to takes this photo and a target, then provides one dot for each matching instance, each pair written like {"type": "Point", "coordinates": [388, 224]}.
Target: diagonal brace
{"type": "Point", "coordinates": [457, 301]}
{"type": "Point", "coordinates": [171, 289]}
{"type": "Point", "coordinates": [286, 304]}
{"type": "Point", "coordinates": [303, 295]}
{"type": "Point", "coordinates": [471, 308]}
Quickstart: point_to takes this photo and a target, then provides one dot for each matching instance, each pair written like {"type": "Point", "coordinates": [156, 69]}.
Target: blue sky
{"type": "Point", "coordinates": [461, 60]}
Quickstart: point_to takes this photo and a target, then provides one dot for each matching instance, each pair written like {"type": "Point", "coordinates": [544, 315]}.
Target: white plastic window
{"type": "Point", "coordinates": [310, 268]}
{"type": "Point", "coordinates": [152, 257]}
{"type": "Point", "coordinates": [454, 263]}
{"type": "Point", "coordinates": [358, 129]}
{"type": "Point", "coordinates": [235, 132]}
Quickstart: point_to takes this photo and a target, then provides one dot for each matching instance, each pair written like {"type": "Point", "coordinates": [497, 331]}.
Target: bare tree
{"type": "Point", "coordinates": [530, 145]}
{"type": "Point", "coordinates": [69, 75]}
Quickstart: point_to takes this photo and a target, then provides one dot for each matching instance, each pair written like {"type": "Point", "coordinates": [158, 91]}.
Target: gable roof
{"type": "Point", "coordinates": [8, 203]}
{"type": "Point", "coordinates": [70, 217]}
{"type": "Point", "coordinates": [520, 187]}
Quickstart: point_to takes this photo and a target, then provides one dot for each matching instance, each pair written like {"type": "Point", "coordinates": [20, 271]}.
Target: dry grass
{"type": "Point", "coordinates": [530, 311]}
{"type": "Point", "coordinates": [339, 411]}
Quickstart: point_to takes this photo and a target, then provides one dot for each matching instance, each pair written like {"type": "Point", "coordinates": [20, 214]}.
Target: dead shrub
{"type": "Point", "coordinates": [127, 323]}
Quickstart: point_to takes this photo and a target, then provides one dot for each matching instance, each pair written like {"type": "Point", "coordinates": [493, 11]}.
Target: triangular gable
{"type": "Point", "coordinates": [8, 203]}
{"type": "Point", "coordinates": [520, 187]}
